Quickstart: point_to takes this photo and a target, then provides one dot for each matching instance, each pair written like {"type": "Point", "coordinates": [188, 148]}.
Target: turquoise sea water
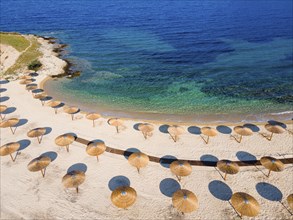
{"type": "Point", "coordinates": [169, 57]}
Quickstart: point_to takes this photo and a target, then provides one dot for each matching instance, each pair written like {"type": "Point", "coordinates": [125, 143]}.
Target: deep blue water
{"type": "Point", "coordinates": [169, 56]}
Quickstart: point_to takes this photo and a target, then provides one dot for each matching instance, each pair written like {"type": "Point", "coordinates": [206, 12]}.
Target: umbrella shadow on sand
{"type": "Point", "coordinates": [273, 122]}
{"type": "Point", "coordinates": [221, 191]}
{"type": "Point", "coordinates": [4, 81]}
{"type": "Point", "coordinates": [166, 160]}
{"type": "Point", "coordinates": [169, 186]}
{"type": "Point", "coordinates": [253, 127]}
{"type": "Point", "coordinates": [164, 129]}
{"type": "Point", "coordinates": [194, 130]}
{"type": "Point", "coordinates": [118, 181]}
{"type": "Point", "coordinates": [4, 98]}
{"type": "Point", "coordinates": [9, 110]}
{"type": "Point", "coordinates": [23, 144]}
{"type": "Point", "coordinates": [51, 154]}
{"type": "Point", "coordinates": [135, 126]}
{"type": "Point", "coordinates": [130, 151]}
{"type": "Point", "coordinates": [224, 129]}
{"type": "Point", "coordinates": [246, 157]}
{"type": "Point", "coordinates": [209, 160]}
{"type": "Point", "coordinates": [20, 123]}
{"type": "Point", "coordinates": [78, 167]}
{"type": "Point", "coordinates": [3, 90]}
{"type": "Point", "coordinates": [271, 193]}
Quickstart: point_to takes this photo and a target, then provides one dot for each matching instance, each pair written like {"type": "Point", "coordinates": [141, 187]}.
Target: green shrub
{"type": "Point", "coordinates": [35, 65]}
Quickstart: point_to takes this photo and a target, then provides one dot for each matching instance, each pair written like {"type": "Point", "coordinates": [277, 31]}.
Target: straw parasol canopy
{"type": "Point", "coordinates": [245, 204]}
{"type": "Point", "coordinates": [272, 164]}
{"type": "Point", "coordinates": [208, 131]}
{"type": "Point", "coordinates": [25, 77]}
{"type": "Point", "coordinates": [185, 201]}
{"type": "Point", "coordinates": [39, 164]}
{"type": "Point", "coordinates": [242, 131]}
{"type": "Point", "coordinates": [25, 81]}
{"type": "Point", "coordinates": [65, 140]}
{"type": "Point", "coordinates": [2, 109]}
{"type": "Point", "coordinates": [96, 148]}
{"type": "Point", "coordinates": [227, 167]}
{"type": "Point", "coordinates": [123, 197]}
{"type": "Point", "coordinates": [175, 131]}
{"type": "Point", "coordinates": [9, 148]}
{"type": "Point", "coordinates": [43, 97]}
{"type": "Point", "coordinates": [274, 129]}
{"type": "Point", "coordinates": [138, 160]}
{"type": "Point", "coordinates": [115, 122]}
{"type": "Point", "coordinates": [30, 87]}
{"type": "Point", "coordinates": [54, 104]}
{"type": "Point", "coordinates": [93, 116]}
{"type": "Point", "coordinates": [37, 133]}
{"type": "Point", "coordinates": [9, 123]}
{"type": "Point", "coordinates": [290, 201]}
{"type": "Point", "coordinates": [180, 168]}
{"type": "Point", "coordinates": [146, 129]}
{"type": "Point", "coordinates": [71, 110]}
{"type": "Point", "coordinates": [73, 179]}
{"type": "Point", "coordinates": [40, 96]}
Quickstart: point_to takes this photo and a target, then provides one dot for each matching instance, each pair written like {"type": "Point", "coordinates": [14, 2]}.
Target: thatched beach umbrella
{"type": "Point", "coordinates": [96, 148]}
{"type": "Point", "coordinates": [290, 201]}
{"type": "Point", "coordinates": [39, 164]}
{"type": "Point", "coordinates": [2, 109]}
{"type": "Point", "coordinates": [37, 133]}
{"type": "Point", "coordinates": [210, 132]}
{"type": "Point", "coordinates": [180, 169]}
{"type": "Point", "coordinates": [227, 167]}
{"type": "Point", "coordinates": [115, 122]}
{"type": "Point", "coordinates": [25, 77]}
{"type": "Point", "coordinates": [274, 129]}
{"type": "Point", "coordinates": [73, 179]}
{"type": "Point", "coordinates": [146, 129]}
{"type": "Point", "coordinates": [93, 116]}
{"type": "Point", "coordinates": [272, 164]}
{"type": "Point", "coordinates": [9, 149]}
{"type": "Point", "coordinates": [242, 131]}
{"type": "Point", "coordinates": [175, 131]}
{"type": "Point", "coordinates": [245, 204]}
{"type": "Point", "coordinates": [123, 197]}
{"type": "Point", "coordinates": [138, 160]}
{"type": "Point", "coordinates": [9, 123]}
{"type": "Point", "coordinates": [185, 201]}
{"type": "Point", "coordinates": [54, 104]}
{"type": "Point", "coordinates": [31, 87]}
{"type": "Point", "coordinates": [71, 110]}
{"type": "Point", "coordinates": [65, 140]}
{"type": "Point", "coordinates": [25, 81]}
{"type": "Point", "coordinates": [41, 97]}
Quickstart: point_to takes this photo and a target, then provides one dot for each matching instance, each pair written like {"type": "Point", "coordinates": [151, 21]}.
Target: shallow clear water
{"type": "Point", "coordinates": [171, 57]}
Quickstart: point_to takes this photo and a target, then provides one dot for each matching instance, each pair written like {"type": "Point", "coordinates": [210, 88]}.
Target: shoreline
{"type": "Point", "coordinates": [160, 118]}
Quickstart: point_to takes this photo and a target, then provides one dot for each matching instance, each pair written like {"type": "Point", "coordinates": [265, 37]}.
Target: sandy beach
{"type": "Point", "coordinates": [26, 195]}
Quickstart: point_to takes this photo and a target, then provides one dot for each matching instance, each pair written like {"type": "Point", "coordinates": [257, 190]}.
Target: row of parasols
{"type": "Point", "coordinates": [146, 128]}
{"type": "Point", "coordinates": [183, 200]}
{"type": "Point", "coordinates": [139, 159]}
